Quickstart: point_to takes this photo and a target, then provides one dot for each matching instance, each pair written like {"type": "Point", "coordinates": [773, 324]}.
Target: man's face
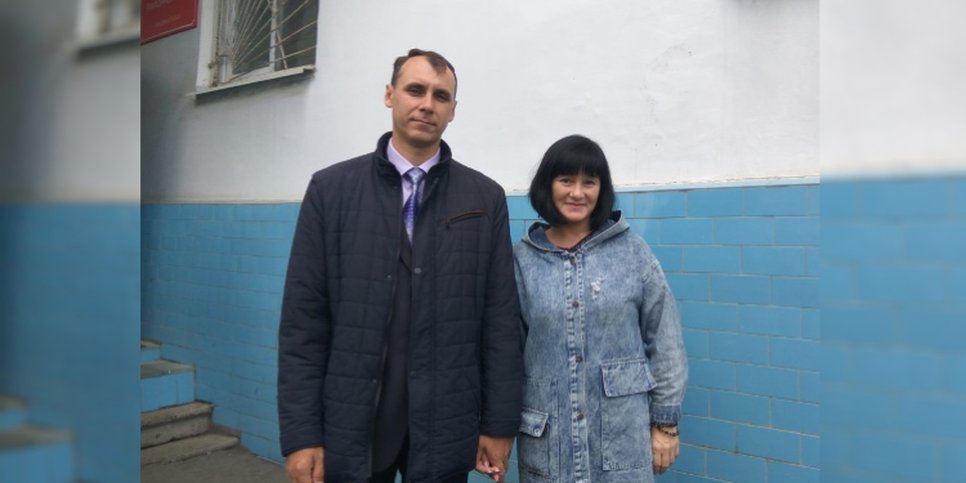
{"type": "Point", "coordinates": [423, 103]}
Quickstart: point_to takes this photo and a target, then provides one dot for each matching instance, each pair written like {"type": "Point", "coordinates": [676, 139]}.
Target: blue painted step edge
{"type": "Point", "coordinates": [30, 454]}
{"type": "Point", "coordinates": [165, 383]}
{"type": "Point", "coordinates": [150, 351]}
{"type": "Point", "coordinates": [13, 413]}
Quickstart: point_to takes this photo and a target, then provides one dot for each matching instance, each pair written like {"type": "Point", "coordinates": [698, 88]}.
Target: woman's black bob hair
{"type": "Point", "coordinates": [572, 155]}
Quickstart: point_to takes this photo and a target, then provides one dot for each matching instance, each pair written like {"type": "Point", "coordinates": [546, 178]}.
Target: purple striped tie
{"type": "Point", "coordinates": [411, 207]}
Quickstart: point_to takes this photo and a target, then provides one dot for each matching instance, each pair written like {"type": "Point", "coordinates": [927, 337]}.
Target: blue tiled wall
{"type": "Point", "coordinates": [212, 278]}
{"type": "Point", "coordinates": [893, 300]}
{"type": "Point", "coordinates": [69, 331]}
{"type": "Point", "coordinates": [742, 262]}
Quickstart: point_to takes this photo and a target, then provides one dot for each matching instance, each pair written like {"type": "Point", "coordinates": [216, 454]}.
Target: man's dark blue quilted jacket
{"type": "Point", "coordinates": [465, 363]}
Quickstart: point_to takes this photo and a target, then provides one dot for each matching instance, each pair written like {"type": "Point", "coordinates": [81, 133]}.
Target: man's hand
{"type": "Point", "coordinates": [493, 456]}
{"type": "Point", "coordinates": [306, 465]}
{"type": "Point", "coordinates": [664, 450]}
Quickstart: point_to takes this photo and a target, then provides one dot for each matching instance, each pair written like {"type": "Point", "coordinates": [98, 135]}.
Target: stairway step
{"type": "Point", "coordinates": [162, 367]}
{"type": "Point", "coordinates": [30, 435]}
{"type": "Point", "coordinates": [13, 413]}
{"type": "Point", "coordinates": [150, 350]}
{"type": "Point", "coordinates": [34, 454]}
{"type": "Point", "coordinates": [175, 413]}
{"type": "Point", "coordinates": [165, 383]}
{"type": "Point", "coordinates": [187, 448]}
{"type": "Point", "coordinates": [173, 423]}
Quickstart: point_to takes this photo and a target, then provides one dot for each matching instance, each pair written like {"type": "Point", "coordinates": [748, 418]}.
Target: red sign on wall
{"type": "Point", "coordinates": [160, 18]}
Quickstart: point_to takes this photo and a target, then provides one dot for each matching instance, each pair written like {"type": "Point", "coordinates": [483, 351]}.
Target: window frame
{"type": "Point", "coordinates": [207, 72]}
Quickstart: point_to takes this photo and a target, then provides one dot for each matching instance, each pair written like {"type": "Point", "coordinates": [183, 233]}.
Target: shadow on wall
{"type": "Point", "coordinates": [22, 99]}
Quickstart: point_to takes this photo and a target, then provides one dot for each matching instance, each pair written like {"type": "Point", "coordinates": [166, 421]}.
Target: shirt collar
{"type": "Point", "coordinates": [402, 164]}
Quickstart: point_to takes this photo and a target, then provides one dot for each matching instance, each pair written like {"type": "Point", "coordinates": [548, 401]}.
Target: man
{"type": "Point", "coordinates": [399, 344]}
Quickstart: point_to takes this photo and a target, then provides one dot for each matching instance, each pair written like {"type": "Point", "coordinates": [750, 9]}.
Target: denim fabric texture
{"type": "Point", "coordinates": [603, 355]}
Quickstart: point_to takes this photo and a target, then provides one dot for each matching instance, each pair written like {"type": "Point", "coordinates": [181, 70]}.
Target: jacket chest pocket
{"type": "Point", "coordinates": [463, 231]}
{"type": "Point", "coordinates": [625, 415]}
{"type": "Point", "coordinates": [537, 444]}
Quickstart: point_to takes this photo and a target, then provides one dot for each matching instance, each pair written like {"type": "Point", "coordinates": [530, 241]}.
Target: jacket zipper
{"type": "Point", "coordinates": [385, 346]}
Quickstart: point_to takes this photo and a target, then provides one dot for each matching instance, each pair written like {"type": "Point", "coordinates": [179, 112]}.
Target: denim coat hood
{"type": "Point", "coordinates": [603, 356]}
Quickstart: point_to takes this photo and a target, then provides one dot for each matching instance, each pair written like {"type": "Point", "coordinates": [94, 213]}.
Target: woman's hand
{"type": "Point", "coordinates": [664, 448]}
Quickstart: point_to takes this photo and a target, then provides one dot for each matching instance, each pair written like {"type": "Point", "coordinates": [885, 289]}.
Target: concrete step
{"type": "Point", "coordinates": [13, 413]}
{"type": "Point", "coordinates": [165, 383]}
{"type": "Point", "coordinates": [33, 454]}
{"type": "Point", "coordinates": [187, 448]}
{"type": "Point", "coordinates": [150, 350]}
{"type": "Point", "coordinates": [173, 423]}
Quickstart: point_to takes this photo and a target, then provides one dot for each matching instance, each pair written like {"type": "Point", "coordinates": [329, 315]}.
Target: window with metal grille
{"type": "Point", "coordinates": [263, 36]}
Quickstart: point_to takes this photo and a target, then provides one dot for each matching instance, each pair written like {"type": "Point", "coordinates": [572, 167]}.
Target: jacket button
{"type": "Point", "coordinates": [575, 304]}
{"type": "Point", "coordinates": [580, 358]}
{"type": "Point", "coordinates": [580, 416]}
{"type": "Point", "coordinates": [573, 261]}
{"type": "Point", "coordinates": [418, 271]}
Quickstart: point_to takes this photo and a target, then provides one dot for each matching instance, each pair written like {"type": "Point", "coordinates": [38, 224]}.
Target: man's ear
{"type": "Point", "coordinates": [388, 98]}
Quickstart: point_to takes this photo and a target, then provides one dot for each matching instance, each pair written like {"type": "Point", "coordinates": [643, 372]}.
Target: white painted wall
{"type": "Point", "coordinates": [675, 92]}
{"type": "Point", "coordinates": [893, 86]}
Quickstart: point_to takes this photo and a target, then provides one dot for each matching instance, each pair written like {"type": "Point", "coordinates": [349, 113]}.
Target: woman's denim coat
{"type": "Point", "coordinates": [603, 356]}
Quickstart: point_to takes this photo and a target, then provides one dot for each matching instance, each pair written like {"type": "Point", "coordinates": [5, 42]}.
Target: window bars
{"type": "Point", "coordinates": [263, 36]}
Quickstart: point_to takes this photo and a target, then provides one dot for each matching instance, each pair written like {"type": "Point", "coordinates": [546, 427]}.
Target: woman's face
{"type": "Point", "coordinates": [575, 197]}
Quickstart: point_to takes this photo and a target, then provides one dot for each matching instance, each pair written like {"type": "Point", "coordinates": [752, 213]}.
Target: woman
{"type": "Point", "coordinates": [603, 352]}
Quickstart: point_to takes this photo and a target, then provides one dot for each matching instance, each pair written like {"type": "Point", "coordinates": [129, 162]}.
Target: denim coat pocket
{"type": "Point", "coordinates": [537, 443]}
{"type": "Point", "coordinates": [624, 412]}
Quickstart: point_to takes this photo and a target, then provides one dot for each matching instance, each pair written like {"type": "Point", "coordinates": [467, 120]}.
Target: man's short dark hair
{"type": "Point", "coordinates": [439, 63]}
{"type": "Point", "coordinates": [569, 156]}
